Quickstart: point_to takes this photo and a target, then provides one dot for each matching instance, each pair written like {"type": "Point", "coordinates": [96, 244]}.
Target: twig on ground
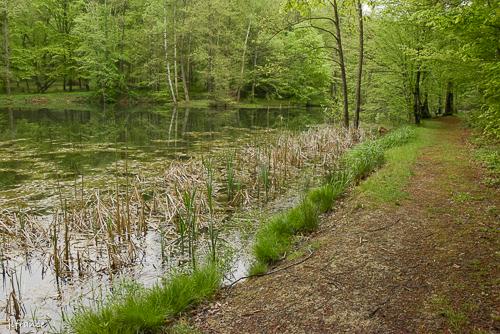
{"type": "Point", "coordinates": [273, 271]}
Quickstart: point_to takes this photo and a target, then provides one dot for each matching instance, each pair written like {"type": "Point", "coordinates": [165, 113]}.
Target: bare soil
{"type": "Point", "coordinates": [427, 264]}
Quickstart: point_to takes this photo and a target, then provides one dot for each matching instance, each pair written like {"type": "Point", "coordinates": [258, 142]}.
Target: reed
{"type": "Point", "coordinates": [55, 249]}
{"type": "Point", "coordinates": [230, 176]}
{"type": "Point", "coordinates": [190, 222]}
{"type": "Point", "coordinates": [265, 179]}
{"type": "Point", "coordinates": [210, 200]}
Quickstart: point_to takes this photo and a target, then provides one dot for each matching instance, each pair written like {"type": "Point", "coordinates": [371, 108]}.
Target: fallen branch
{"type": "Point", "coordinates": [273, 271]}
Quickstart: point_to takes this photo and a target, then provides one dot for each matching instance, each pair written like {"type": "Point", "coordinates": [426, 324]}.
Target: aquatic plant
{"type": "Point", "coordinates": [210, 200]}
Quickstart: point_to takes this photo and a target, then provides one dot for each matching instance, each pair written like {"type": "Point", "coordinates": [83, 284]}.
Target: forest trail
{"type": "Point", "coordinates": [424, 263]}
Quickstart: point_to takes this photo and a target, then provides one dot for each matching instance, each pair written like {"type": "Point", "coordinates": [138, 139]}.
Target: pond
{"type": "Point", "coordinates": [61, 171]}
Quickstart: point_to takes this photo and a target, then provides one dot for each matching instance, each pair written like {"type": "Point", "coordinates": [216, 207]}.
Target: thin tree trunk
{"type": "Point", "coordinates": [360, 65]}
{"type": "Point", "coordinates": [416, 98]}
{"type": "Point", "coordinates": [242, 72]}
{"type": "Point", "coordinates": [6, 46]}
{"type": "Point", "coordinates": [340, 52]}
{"type": "Point", "coordinates": [176, 81]}
{"type": "Point", "coordinates": [253, 79]}
{"type": "Point", "coordinates": [440, 107]}
{"type": "Point", "coordinates": [165, 46]}
{"type": "Point", "coordinates": [448, 108]}
{"type": "Point", "coordinates": [184, 81]}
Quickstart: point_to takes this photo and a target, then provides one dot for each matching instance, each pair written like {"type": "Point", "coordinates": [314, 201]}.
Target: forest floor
{"type": "Point", "coordinates": [413, 249]}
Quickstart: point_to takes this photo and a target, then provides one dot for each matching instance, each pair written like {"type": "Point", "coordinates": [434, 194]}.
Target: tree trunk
{"type": "Point", "coordinates": [176, 80]}
{"type": "Point", "coordinates": [360, 65]}
{"type": "Point", "coordinates": [343, 75]}
{"type": "Point", "coordinates": [184, 81]}
{"type": "Point", "coordinates": [165, 46]}
{"type": "Point", "coordinates": [253, 79]}
{"type": "Point", "coordinates": [448, 108]}
{"type": "Point", "coordinates": [425, 108]}
{"type": "Point", "coordinates": [6, 46]}
{"type": "Point", "coordinates": [416, 98]}
{"type": "Point", "coordinates": [242, 72]}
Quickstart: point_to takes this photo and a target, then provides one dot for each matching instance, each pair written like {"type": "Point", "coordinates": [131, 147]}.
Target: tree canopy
{"type": "Point", "coordinates": [403, 60]}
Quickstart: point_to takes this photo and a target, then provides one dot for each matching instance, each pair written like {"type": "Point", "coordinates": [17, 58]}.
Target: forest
{"type": "Point", "coordinates": [244, 166]}
{"type": "Point", "coordinates": [391, 59]}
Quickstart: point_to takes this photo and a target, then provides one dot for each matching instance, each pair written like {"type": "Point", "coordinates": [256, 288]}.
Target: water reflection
{"type": "Point", "coordinates": [73, 142]}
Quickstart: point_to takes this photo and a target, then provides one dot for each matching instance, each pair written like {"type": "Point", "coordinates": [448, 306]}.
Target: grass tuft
{"type": "Point", "coordinates": [363, 159]}
{"type": "Point", "coordinates": [142, 310]}
{"type": "Point", "coordinates": [258, 268]}
{"type": "Point", "coordinates": [398, 137]}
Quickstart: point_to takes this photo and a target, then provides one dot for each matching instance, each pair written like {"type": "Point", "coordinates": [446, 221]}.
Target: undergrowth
{"type": "Point", "coordinates": [275, 236]}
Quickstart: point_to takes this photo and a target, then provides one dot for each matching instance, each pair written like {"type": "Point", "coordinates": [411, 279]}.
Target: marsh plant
{"type": "Point", "coordinates": [231, 183]}
{"type": "Point", "coordinates": [179, 206]}
{"type": "Point", "coordinates": [210, 202]}
{"type": "Point", "coordinates": [188, 221]}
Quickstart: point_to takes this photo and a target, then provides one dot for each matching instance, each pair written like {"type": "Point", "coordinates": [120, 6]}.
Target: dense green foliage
{"type": "Point", "coordinates": [421, 58]}
{"type": "Point", "coordinates": [134, 309]}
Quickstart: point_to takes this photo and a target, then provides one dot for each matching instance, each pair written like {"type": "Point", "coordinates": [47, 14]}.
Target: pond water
{"type": "Point", "coordinates": [40, 147]}
{"type": "Point", "coordinates": [47, 155]}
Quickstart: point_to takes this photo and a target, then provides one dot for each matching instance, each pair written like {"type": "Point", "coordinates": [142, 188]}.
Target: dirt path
{"type": "Point", "coordinates": [427, 264]}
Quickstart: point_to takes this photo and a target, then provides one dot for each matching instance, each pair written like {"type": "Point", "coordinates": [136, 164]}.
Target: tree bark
{"type": "Point", "coordinates": [184, 81]}
{"type": "Point", "coordinates": [340, 52]}
{"type": "Point", "coordinates": [253, 79]}
{"type": "Point", "coordinates": [165, 46]}
{"type": "Point", "coordinates": [425, 113]}
{"type": "Point", "coordinates": [176, 80]}
{"type": "Point", "coordinates": [416, 98]}
{"type": "Point", "coordinates": [6, 46]}
{"type": "Point", "coordinates": [360, 65]}
{"type": "Point", "coordinates": [242, 72]}
{"type": "Point", "coordinates": [448, 108]}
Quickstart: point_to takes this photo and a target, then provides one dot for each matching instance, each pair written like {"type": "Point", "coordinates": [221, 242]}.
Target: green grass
{"type": "Point", "coordinates": [387, 184]}
{"type": "Point", "coordinates": [488, 155]}
{"type": "Point", "coordinates": [59, 100]}
{"type": "Point", "coordinates": [146, 310]}
{"type": "Point", "coordinates": [324, 197]}
{"type": "Point", "coordinates": [363, 159]}
{"type": "Point", "coordinates": [456, 318]}
{"type": "Point", "coordinates": [275, 237]}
